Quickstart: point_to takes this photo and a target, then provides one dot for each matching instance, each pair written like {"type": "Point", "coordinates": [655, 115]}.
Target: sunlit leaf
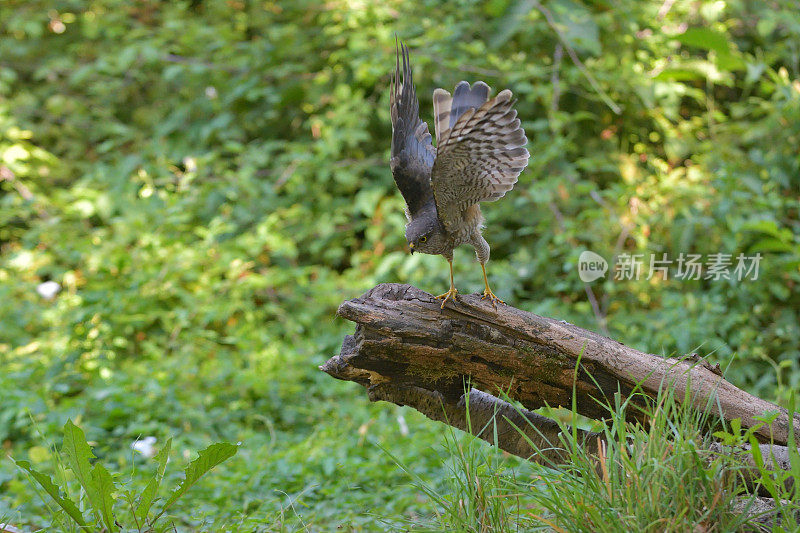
{"type": "Point", "coordinates": [55, 493]}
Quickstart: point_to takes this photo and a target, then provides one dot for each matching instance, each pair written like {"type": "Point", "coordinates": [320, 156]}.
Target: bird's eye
{"type": "Point", "coordinates": [423, 239]}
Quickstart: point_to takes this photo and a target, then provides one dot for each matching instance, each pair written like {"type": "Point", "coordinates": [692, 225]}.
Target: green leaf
{"type": "Point", "coordinates": [794, 454]}
{"type": "Point", "coordinates": [765, 475]}
{"type": "Point", "coordinates": [97, 487]}
{"type": "Point", "coordinates": [728, 57]}
{"type": "Point", "coordinates": [206, 460]}
{"type": "Point", "coordinates": [78, 453]}
{"type": "Point", "coordinates": [769, 227]}
{"type": "Point", "coordinates": [770, 245]}
{"type": "Point", "coordinates": [678, 74]}
{"type": "Point", "coordinates": [704, 38]}
{"type": "Point", "coordinates": [149, 492]}
{"type": "Point", "coordinates": [104, 484]}
{"type": "Point", "coordinates": [55, 492]}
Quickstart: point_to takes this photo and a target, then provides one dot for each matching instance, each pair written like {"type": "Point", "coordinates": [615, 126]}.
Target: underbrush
{"type": "Point", "coordinates": [662, 475]}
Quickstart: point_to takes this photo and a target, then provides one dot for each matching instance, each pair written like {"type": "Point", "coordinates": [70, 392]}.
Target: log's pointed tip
{"type": "Point", "coordinates": [331, 365]}
{"type": "Point", "coordinates": [343, 308]}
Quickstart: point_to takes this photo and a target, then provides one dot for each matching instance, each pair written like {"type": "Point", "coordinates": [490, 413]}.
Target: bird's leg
{"type": "Point", "coordinates": [452, 292]}
{"type": "Point", "coordinates": [487, 293]}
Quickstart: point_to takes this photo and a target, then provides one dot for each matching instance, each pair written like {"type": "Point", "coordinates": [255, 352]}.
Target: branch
{"type": "Point", "coordinates": [408, 351]}
{"type": "Point", "coordinates": [404, 339]}
{"type": "Point", "coordinates": [478, 413]}
{"type": "Point", "coordinates": [575, 59]}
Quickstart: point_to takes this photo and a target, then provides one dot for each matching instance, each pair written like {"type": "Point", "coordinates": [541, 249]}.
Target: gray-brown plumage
{"type": "Point", "coordinates": [480, 151]}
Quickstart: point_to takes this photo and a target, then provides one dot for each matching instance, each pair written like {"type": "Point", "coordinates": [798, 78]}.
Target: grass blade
{"type": "Point", "coordinates": [54, 492]}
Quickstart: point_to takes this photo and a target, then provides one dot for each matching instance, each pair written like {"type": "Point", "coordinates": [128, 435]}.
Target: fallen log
{"type": "Point", "coordinates": [409, 351]}
{"type": "Point", "coordinates": [456, 364]}
{"type": "Point", "coordinates": [404, 339]}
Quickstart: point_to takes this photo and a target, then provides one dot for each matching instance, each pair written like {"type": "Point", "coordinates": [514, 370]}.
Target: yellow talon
{"type": "Point", "coordinates": [487, 292]}
{"type": "Point", "coordinates": [453, 292]}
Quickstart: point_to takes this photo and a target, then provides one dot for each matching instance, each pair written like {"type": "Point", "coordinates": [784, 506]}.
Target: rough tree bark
{"type": "Point", "coordinates": [408, 351]}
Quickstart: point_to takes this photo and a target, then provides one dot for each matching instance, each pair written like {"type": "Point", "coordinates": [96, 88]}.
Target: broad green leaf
{"type": "Point", "coordinates": [727, 56]}
{"type": "Point", "coordinates": [150, 491]}
{"type": "Point", "coordinates": [577, 25]}
{"type": "Point", "coordinates": [770, 245]}
{"type": "Point", "coordinates": [78, 454]}
{"type": "Point", "coordinates": [207, 459]}
{"type": "Point", "coordinates": [55, 492]}
{"type": "Point", "coordinates": [762, 226]}
{"type": "Point", "coordinates": [509, 24]}
{"type": "Point", "coordinates": [104, 484]}
{"type": "Point", "coordinates": [704, 38]}
{"type": "Point", "coordinates": [678, 74]}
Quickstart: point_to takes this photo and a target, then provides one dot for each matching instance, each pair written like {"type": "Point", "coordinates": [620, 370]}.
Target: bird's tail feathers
{"type": "Point", "coordinates": [447, 109]}
{"type": "Point", "coordinates": [441, 112]}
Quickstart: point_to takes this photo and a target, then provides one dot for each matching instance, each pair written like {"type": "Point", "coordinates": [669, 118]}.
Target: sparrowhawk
{"type": "Point", "coordinates": [480, 151]}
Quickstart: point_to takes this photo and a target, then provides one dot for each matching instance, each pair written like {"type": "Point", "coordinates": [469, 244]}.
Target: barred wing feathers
{"type": "Point", "coordinates": [479, 157]}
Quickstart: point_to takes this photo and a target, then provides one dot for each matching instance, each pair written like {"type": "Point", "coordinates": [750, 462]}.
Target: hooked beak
{"type": "Point", "coordinates": [411, 247]}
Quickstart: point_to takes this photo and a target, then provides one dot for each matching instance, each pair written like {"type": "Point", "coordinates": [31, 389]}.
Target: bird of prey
{"type": "Point", "coordinates": [480, 151]}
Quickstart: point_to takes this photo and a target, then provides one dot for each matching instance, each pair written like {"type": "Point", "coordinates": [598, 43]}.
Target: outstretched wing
{"type": "Point", "coordinates": [480, 155]}
{"type": "Point", "coordinates": [412, 151]}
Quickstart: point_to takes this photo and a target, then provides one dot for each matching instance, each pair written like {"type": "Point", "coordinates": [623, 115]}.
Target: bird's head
{"type": "Point", "coordinates": [425, 236]}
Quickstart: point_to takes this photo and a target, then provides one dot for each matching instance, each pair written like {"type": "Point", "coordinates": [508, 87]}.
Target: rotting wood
{"type": "Point", "coordinates": [404, 342]}
{"type": "Point", "coordinates": [408, 351]}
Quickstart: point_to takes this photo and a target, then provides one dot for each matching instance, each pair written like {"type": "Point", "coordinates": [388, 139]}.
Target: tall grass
{"type": "Point", "coordinates": [660, 475]}
{"type": "Point", "coordinates": [657, 476]}
{"type": "Point", "coordinates": [486, 490]}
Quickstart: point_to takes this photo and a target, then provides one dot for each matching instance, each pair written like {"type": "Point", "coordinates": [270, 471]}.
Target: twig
{"type": "Point", "coordinates": [664, 9]}
{"type": "Point", "coordinates": [575, 59]}
{"type": "Point", "coordinates": [557, 55]}
{"type": "Point", "coordinates": [599, 315]}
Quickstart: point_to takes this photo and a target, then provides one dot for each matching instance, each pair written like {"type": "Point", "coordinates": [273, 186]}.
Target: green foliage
{"type": "Point", "coordinates": [100, 488]}
{"type": "Point", "coordinates": [54, 492]}
{"type": "Point", "coordinates": [779, 484]}
{"type": "Point", "coordinates": [208, 459]}
{"type": "Point", "coordinates": [658, 476]}
{"type": "Point", "coordinates": [151, 489]}
{"type": "Point", "coordinates": [482, 491]}
{"type": "Point", "coordinates": [207, 180]}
